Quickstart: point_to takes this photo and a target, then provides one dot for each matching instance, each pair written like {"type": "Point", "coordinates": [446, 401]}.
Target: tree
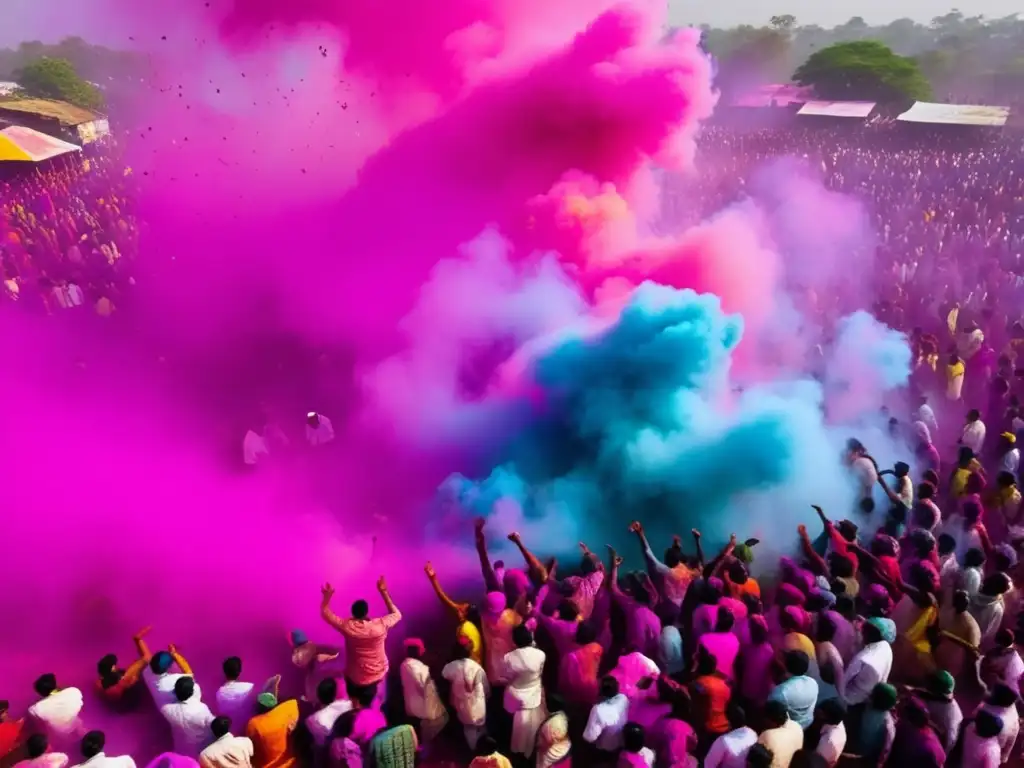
{"type": "Point", "coordinates": [863, 70]}
{"type": "Point", "coordinates": [50, 78]}
{"type": "Point", "coordinates": [784, 23]}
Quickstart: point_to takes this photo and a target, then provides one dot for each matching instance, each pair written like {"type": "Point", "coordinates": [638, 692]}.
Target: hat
{"type": "Point", "coordinates": [495, 603]}
{"type": "Point", "coordinates": [299, 637]}
{"type": "Point", "coordinates": [415, 642]}
{"type": "Point", "coordinates": [267, 700]}
{"type": "Point", "coordinates": [886, 628]}
{"type": "Point", "coordinates": [826, 595]}
{"type": "Point", "coordinates": [1009, 437]}
{"type": "Point", "coordinates": [744, 553]}
{"type": "Point", "coordinates": [884, 696]}
{"type": "Point", "coordinates": [790, 595]}
{"type": "Point", "coordinates": [941, 683]}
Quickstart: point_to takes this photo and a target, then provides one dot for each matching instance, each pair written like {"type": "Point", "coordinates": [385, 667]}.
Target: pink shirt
{"type": "Point", "coordinates": [584, 591]}
{"type": "Point", "coordinates": [724, 646]}
{"type": "Point", "coordinates": [755, 664]}
{"type": "Point", "coordinates": [367, 724]}
{"type": "Point", "coordinates": [365, 659]}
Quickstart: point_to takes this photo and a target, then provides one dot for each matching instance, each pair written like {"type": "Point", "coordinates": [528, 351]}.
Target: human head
{"type": "Point", "coordinates": [587, 565]}
{"type": "Point", "coordinates": [362, 696]}
{"type": "Point", "coordinates": [45, 684]}
{"type": "Point", "coordinates": [486, 746]}
{"type": "Point", "coordinates": [974, 485]}
{"type": "Point", "coordinates": [996, 584]}
{"type": "Point", "coordinates": [107, 665]}
{"type": "Point", "coordinates": [737, 572]}
{"type": "Point", "coordinates": [673, 557]}
{"type": "Point", "coordinates": [609, 688]}
{"type": "Point", "coordinates": [522, 636]}
{"type": "Point", "coordinates": [585, 633]}
{"type": "Point", "coordinates": [360, 610]}
{"type": "Point", "coordinates": [37, 745]}
{"type": "Point", "coordinates": [941, 683]}
{"type": "Point", "coordinates": [832, 711]}
{"type": "Point", "coordinates": [1002, 695]}
{"type": "Point", "coordinates": [964, 457]}
{"type": "Point", "coordinates": [1005, 479]}
{"type": "Point", "coordinates": [92, 744]}
{"type": "Point", "coordinates": [883, 697]}
{"type": "Point", "coordinates": [568, 610]}
{"type": "Point", "coordinates": [327, 691]}
{"type": "Point", "coordinates": [633, 737]}
{"type": "Point", "coordinates": [232, 667]}
{"type": "Point", "coordinates": [901, 469]}
{"type": "Point", "coordinates": [987, 725]}
{"type": "Point", "coordinates": [414, 648]}
{"type": "Point", "coordinates": [775, 714]}
{"type": "Point", "coordinates": [946, 544]}
{"type": "Point", "coordinates": [736, 715]}
{"type": "Point", "coordinates": [925, 491]}
{"type": "Point", "coordinates": [161, 662]}
{"type": "Point", "coordinates": [961, 601]}
{"type": "Point", "coordinates": [758, 630]}
{"type": "Point", "coordinates": [796, 663]}
{"type": "Point", "coordinates": [221, 726]}
{"type": "Point", "coordinates": [871, 634]}
{"type": "Point", "coordinates": [706, 663]}
{"type": "Point", "coordinates": [313, 419]}
{"type": "Point", "coordinates": [760, 756]}
{"type": "Point", "coordinates": [724, 621]}
{"type": "Point", "coordinates": [184, 688]}
{"type": "Point", "coordinates": [265, 702]}
{"type": "Point", "coordinates": [5, 707]}
{"type": "Point", "coordinates": [971, 511]}
{"type": "Point", "coordinates": [973, 415]}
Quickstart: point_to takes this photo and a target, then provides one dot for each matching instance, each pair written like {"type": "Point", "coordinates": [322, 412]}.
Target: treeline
{"type": "Point", "coordinates": [96, 63]}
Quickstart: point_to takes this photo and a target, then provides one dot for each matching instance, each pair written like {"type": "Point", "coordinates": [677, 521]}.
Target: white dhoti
{"type": "Point", "coordinates": [525, 723]}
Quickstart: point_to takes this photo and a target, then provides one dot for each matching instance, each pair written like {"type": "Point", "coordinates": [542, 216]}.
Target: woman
{"type": "Point", "coordinates": [553, 743]}
{"type": "Point", "coordinates": [959, 637]}
{"type": "Point", "coordinates": [672, 737]}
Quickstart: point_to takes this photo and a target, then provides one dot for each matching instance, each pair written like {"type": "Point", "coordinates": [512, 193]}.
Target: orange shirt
{"type": "Point", "coordinates": [271, 735]}
{"type": "Point", "coordinates": [365, 659]}
{"type": "Point", "coordinates": [713, 694]}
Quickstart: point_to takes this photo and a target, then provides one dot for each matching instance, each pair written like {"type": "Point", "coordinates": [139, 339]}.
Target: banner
{"type": "Point", "coordinates": [859, 109]}
{"type": "Point", "coordinates": [955, 114]}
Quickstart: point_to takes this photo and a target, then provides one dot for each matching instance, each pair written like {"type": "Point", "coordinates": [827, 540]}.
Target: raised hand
{"type": "Point", "coordinates": [326, 592]}
{"type": "Point", "coordinates": [382, 585]}
{"type": "Point", "coordinates": [429, 570]}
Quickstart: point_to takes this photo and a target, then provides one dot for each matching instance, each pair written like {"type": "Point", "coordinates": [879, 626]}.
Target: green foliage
{"type": "Point", "coordinates": [93, 62]}
{"type": "Point", "coordinates": [864, 70]}
{"type": "Point", "coordinates": [50, 78]}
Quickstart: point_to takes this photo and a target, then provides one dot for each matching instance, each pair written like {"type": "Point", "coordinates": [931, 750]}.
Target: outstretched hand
{"type": "Point", "coordinates": [326, 593]}
{"type": "Point", "coordinates": [635, 527]}
{"type": "Point", "coordinates": [616, 559]}
{"type": "Point", "coordinates": [429, 570]}
{"type": "Point", "coordinates": [382, 585]}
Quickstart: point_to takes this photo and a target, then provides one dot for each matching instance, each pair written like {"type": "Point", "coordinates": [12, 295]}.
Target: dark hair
{"type": "Point", "coordinates": [45, 684]}
{"type": "Point", "coordinates": [486, 746]}
{"type": "Point", "coordinates": [184, 688]}
{"type": "Point", "coordinates": [845, 606]}
{"type": "Point", "coordinates": [327, 691]}
{"type": "Point", "coordinates": [1005, 479]}
{"type": "Point", "coordinates": [363, 695]}
{"type": "Point", "coordinates": [775, 713]}
{"type": "Point", "coordinates": [232, 667]}
{"type": "Point", "coordinates": [555, 703]}
{"type": "Point", "coordinates": [220, 726]}
{"type": "Point", "coordinates": [92, 744]}
{"type": "Point", "coordinates": [758, 633]}
{"type": "Point", "coordinates": [973, 415]}
{"type": "Point", "coordinates": [916, 713]}
{"type": "Point", "coordinates": [826, 629]}
{"type": "Point", "coordinates": [1005, 638]}
{"type": "Point", "coordinates": [360, 609]}
{"type": "Point", "coordinates": [760, 756]}
{"type": "Point", "coordinates": [738, 572]}
{"type": "Point", "coordinates": [1003, 695]}
{"type": "Point", "coordinates": [568, 610]}
{"type": "Point", "coordinates": [996, 584]}
{"type": "Point", "coordinates": [522, 636]}
{"type": "Point", "coordinates": [736, 715]}
{"type": "Point", "coordinates": [587, 565]}
{"type": "Point", "coordinates": [633, 737]}
{"type": "Point", "coordinates": [833, 711]}
{"type": "Point", "coordinates": [971, 511]}
{"type": "Point", "coordinates": [413, 651]}
{"type": "Point", "coordinates": [961, 601]}
{"type": "Point", "coordinates": [796, 662]}
{"type": "Point", "coordinates": [343, 725]}
{"type": "Point", "coordinates": [964, 457]}
{"type": "Point", "coordinates": [871, 634]}
{"type": "Point", "coordinates": [585, 634]}
{"type": "Point", "coordinates": [609, 687]}
{"type": "Point", "coordinates": [925, 490]}
{"type": "Point", "coordinates": [673, 557]}
{"type": "Point", "coordinates": [946, 543]}
{"type": "Point", "coordinates": [707, 664]}
{"type": "Point", "coordinates": [987, 725]}
{"type": "Point", "coordinates": [725, 621]}
{"type": "Point", "coordinates": [37, 745]}
{"type": "Point", "coordinates": [106, 665]}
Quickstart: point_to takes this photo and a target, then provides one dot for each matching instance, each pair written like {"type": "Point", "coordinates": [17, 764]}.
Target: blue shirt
{"type": "Point", "coordinates": [799, 695]}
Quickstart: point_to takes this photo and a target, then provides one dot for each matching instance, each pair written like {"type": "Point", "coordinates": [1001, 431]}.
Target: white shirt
{"type": "Point", "coordinates": [321, 722]}
{"type": "Point", "coordinates": [237, 701]}
{"type": "Point", "coordinates": [103, 761]}
{"type": "Point", "coordinates": [524, 667]}
{"type": "Point", "coordinates": [161, 687]}
{"type": "Point", "coordinates": [75, 296]}
{"type": "Point", "coordinates": [606, 721]}
{"type": "Point", "coordinates": [470, 690]}
{"type": "Point", "coordinates": [254, 448]}
{"type": "Point", "coordinates": [973, 436]}
{"type": "Point", "coordinates": [49, 760]}
{"type": "Point", "coordinates": [730, 749]}
{"type": "Point", "coordinates": [321, 434]}
{"type": "Point", "coordinates": [647, 755]}
{"type": "Point", "coordinates": [1010, 461]}
{"type": "Point", "coordinates": [832, 743]}
{"type": "Point", "coordinates": [190, 725]}
{"type": "Point", "coordinates": [420, 691]}
{"type": "Point", "coordinates": [60, 713]}
{"type": "Point", "coordinates": [866, 670]}
{"type": "Point", "coordinates": [926, 415]}
{"type": "Point", "coordinates": [227, 752]}
{"type": "Point", "coordinates": [905, 490]}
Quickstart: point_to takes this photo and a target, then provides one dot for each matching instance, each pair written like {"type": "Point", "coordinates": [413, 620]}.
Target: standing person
{"type": "Point", "coordinates": [635, 752]}
{"type": "Point", "coordinates": [419, 690]}
{"type": "Point", "coordinates": [463, 613]}
{"type": "Point", "coordinates": [980, 741]}
{"type": "Point", "coordinates": [469, 692]}
{"type": "Point", "coordinates": [876, 728]}
{"type": "Point", "coordinates": [319, 430]}
{"type": "Point", "coordinates": [832, 740]}
{"type": "Point", "coordinates": [872, 665]}
{"type": "Point", "coordinates": [331, 707]}
{"type": "Point", "coordinates": [226, 751]}
{"type": "Point", "coordinates": [160, 679]}
{"type": "Point", "coordinates": [316, 661]}
{"type": "Point", "coordinates": [12, 732]}
{"type": "Point", "coordinates": [1002, 702]}
{"type": "Point", "coordinates": [955, 371]}
{"type": "Point", "coordinates": [711, 694]}
{"type": "Point", "coordinates": [783, 737]}
{"type": "Point", "coordinates": [915, 742]}
{"type": "Point", "coordinates": [1009, 454]}
{"type": "Point", "coordinates": [673, 576]}
{"type": "Point", "coordinates": [943, 709]}
{"type": "Point", "coordinates": [553, 744]}
{"type": "Point", "coordinates": [58, 713]}
{"type": "Point", "coordinates": [366, 657]}
{"type": "Point", "coordinates": [973, 434]}
{"type": "Point", "coordinates": [524, 696]}
{"type": "Point", "coordinates": [38, 754]}
{"type": "Point", "coordinates": [92, 750]}
{"type": "Point", "coordinates": [959, 637]}
{"type": "Point", "coordinates": [730, 749]}
{"type": "Point", "coordinates": [236, 700]}
{"type": "Point", "coordinates": [114, 683]}
{"type": "Point", "coordinates": [607, 718]}
{"type": "Point", "coordinates": [579, 673]}
{"type": "Point", "coordinates": [189, 719]}
{"type": "Point", "coordinates": [798, 692]}
{"type": "Point", "coordinates": [270, 731]}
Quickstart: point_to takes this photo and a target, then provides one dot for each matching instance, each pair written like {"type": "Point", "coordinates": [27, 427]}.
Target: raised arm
{"type": "Point", "coordinates": [538, 573]}
{"type": "Point", "coordinates": [458, 609]}
{"type": "Point", "coordinates": [382, 587]}
{"type": "Point", "coordinates": [654, 566]}
{"type": "Point", "coordinates": [490, 577]}
{"type": "Point", "coordinates": [723, 557]}
{"type": "Point", "coordinates": [140, 644]}
{"type": "Point", "coordinates": [612, 579]}
{"type": "Point", "coordinates": [179, 659]}
{"type": "Point", "coordinates": [326, 593]}
{"type": "Point", "coordinates": [817, 562]}
{"type": "Point", "coordinates": [700, 550]}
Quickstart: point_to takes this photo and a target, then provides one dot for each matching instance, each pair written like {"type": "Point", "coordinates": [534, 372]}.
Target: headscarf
{"type": "Point", "coordinates": [795, 575]}
{"type": "Point", "coordinates": [790, 595]}
{"type": "Point", "coordinates": [744, 553]}
{"type": "Point", "coordinates": [942, 683]}
{"type": "Point", "coordinates": [886, 628]}
{"type": "Point", "coordinates": [267, 700]}
{"type": "Point", "coordinates": [884, 696]}
{"type": "Point", "coordinates": [299, 637]}
{"type": "Point", "coordinates": [495, 603]}
{"type": "Point", "coordinates": [172, 760]}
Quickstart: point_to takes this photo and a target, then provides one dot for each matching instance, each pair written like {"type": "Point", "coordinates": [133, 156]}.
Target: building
{"type": "Point", "coordinates": [56, 118]}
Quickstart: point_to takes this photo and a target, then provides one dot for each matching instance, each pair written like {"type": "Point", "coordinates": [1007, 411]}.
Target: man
{"type": "Point", "coordinates": [674, 576]}
{"type": "Point", "coordinates": [1009, 454]}
{"type": "Point", "coordinates": [11, 733]}
{"type": "Point", "coordinates": [254, 447]}
{"type": "Point", "coordinates": [981, 741]}
{"type": "Point", "coordinates": [798, 692]}
{"type": "Point", "coordinates": [58, 712]}
{"type": "Point", "coordinates": [236, 700]}
{"type": "Point", "coordinates": [463, 614]}
{"type": "Point", "coordinates": [872, 664]}
{"type": "Point", "coordinates": [783, 737]}
{"type": "Point", "coordinates": [524, 696]}
{"type": "Point", "coordinates": [113, 683]}
{"type": "Point", "coordinates": [864, 471]}
{"type": "Point", "coordinates": [38, 755]}
{"type": "Point", "coordinates": [316, 660]}
{"type": "Point", "coordinates": [189, 718]}
{"type": "Point", "coordinates": [607, 717]}
{"type": "Point", "coordinates": [319, 430]}
{"type": "Point", "coordinates": [366, 662]}
{"type": "Point", "coordinates": [270, 731]}
{"type": "Point", "coordinates": [160, 680]}
{"type": "Point", "coordinates": [973, 435]}
{"type": "Point", "coordinates": [331, 708]}
{"type": "Point", "coordinates": [226, 751]}
{"type": "Point", "coordinates": [730, 749]}
{"type": "Point", "coordinates": [92, 750]}
{"type": "Point", "coordinates": [832, 741]}
{"type": "Point", "coordinates": [420, 693]}
{"type": "Point", "coordinates": [916, 742]}
{"type": "Point", "coordinates": [469, 691]}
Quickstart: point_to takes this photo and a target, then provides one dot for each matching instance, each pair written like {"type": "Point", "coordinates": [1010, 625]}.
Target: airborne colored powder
{"type": "Point", "coordinates": [303, 168]}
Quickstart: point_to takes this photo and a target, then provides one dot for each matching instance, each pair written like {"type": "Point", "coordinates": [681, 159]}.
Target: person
{"type": "Point", "coordinates": [755, 663]}
{"type": "Point", "coordinates": [872, 740]}
{"type": "Point", "coordinates": [959, 636]}
{"type": "Point", "coordinates": [798, 692]}
{"type": "Point", "coordinates": [1002, 665]}
{"type": "Point", "coordinates": [760, 756]}
{"type": "Point", "coordinates": [114, 683]}
{"type": "Point", "coordinates": [673, 737]}
{"type": "Point", "coordinates": [643, 627]}
{"type": "Point", "coordinates": [319, 430]}
{"type": "Point", "coordinates": [730, 749]}
{"type": "Point", "coordinates": [160, 680]}
{"type": "Point", "coordinates": [254, 447]}
{"type": "Point", "coordinates": [635, 752]}
{"type": "Point", "coordinates": [607, 717]}
{"type": "Point", "coordinates": [864, 470]}
{"type": "Point", "coordinates": [1006, 501]}
{"type": "Point", "coordinates": [488, 756]}
{"type": "Point", "coordinates": [524, 696]}
{"type": "Point", "coordinates": [873, 662]}
{"type": "Point", "coordinates": [368, 720]}
{"type": "Point", "coordinates": [38, 754]}
{"type": "Point", "coordinates": [236, 700]}
{"type": "Point", "coordinates": [967, 466]}
{"type": "Point", "coordinates": [189, 718]}
{"type": "Point", "coordinates": [955, 370]}
{"type": "Point", "coordinates": [343, 752]}
{"type": "Point", "coordinates": [270, 731]}
{"type": "Point", "coordinates": [915, 742]}
{"type": "Point", "coordinates": [944, 711]}
{"type": "Point", "coordinates": [927, 455]}
{"type": "Point", "coordinates": [832, 738]}
{"type": "Point", "coordinates": [419, 690]}
{"type": "Point", "coordinates": [673, 575]}
{"type": "Point", "coordinates": [830, 662]}
{"type": "Point", "coordinates": [331, 707]}
{"type": "Point", "coordinates": [722, 643]}
{"type": "Point", "coordinates": [1002, 702]}
{"type": "Point", "coordinates": [553, 744]}
{"type": "Point", "coordinates": [464, 614]}
{"type": "Point", "coordinates": [12, 732]}
{"type": "Point", "coordinates": [393, 747]}
{"type": "Point", "coordinates": [317, 661]}
{"type": "Point", "coordinates": [782, 737]}
{"type": "Point", "coordinates": [92, 750]}
{"type": "Point", "coordinates": [981, 741]}
{"type": "Point", "coordinates": [973, 434]}
{"type": "Point", "coordinates": [226, 751]}
{"type": "Point", "coordinates": [711, 694]}
{"type": "Point", "coordinates": [578, 674]}
{"type": "Point", "coordinates": [469, 691]}
{"type": "Point", "coordinates": [988, 605]}
{"type": "Point", "coordinates": [1009, 454]}
{"type": "Point", "coordinates": [366, 658]}
{"type": "Point", "coordinates": [58, 713]}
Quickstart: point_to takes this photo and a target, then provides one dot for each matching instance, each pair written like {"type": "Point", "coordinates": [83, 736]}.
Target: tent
{"type": "Point", "coordinates": [955, 114]}
{"type": "Point", "coordinates": [23, 144]}
{"type": "Point", "coordinates": [860, 109]}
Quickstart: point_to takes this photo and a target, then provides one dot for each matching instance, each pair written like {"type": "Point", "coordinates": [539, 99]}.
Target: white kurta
{"type": "Point", "coordinates": [524, 697]}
